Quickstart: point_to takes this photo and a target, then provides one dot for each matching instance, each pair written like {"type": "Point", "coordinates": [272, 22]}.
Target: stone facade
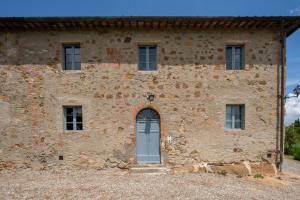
{"type": "Point", "coordinates": [191, 88]}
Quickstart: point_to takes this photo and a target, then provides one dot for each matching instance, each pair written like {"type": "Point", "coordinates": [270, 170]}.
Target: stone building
{"type": "Point", "coordinates": [97, 92]}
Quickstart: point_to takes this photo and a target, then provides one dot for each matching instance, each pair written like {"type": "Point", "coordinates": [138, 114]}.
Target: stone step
{"type": "Point", "coordinates": [149, 169]}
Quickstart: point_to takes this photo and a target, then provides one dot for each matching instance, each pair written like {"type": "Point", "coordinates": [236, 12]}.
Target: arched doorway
{"type": "Point", "coordinates": [148, 136]}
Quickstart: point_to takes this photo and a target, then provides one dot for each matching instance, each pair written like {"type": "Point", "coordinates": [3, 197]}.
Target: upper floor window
{"type": "Point", "coordinates": [235, 57]}
{"type": "Point", "coordinates": [73, 118]}
{"type": "Point", "coordinates": [147, 58]}
{"type": "Point", "coordinates": [235, 116]}
{"type": "Point", "coordinates": [72, 57]}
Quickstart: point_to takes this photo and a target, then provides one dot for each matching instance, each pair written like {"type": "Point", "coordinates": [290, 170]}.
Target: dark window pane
{"type": "Point", "coordinates": [79, 126]}
{"type": "Point", "coordinates": [152, 50]}
{"type": "Point", "coordinates": [77, 50]}
{"type": "Point", "coordinates": [237, 124]}
{"type": "Point", "coordinates": [228, 117]}
{"type": "Point", "coordinates": [77, 58]}
{"type": "Point", "coordinates": [69, 58]}
{"type": "Point", "coordinates": [78, 118]}
{"type": "Point", "coordinates": [69, 50]}
{"type": "Point", "coordinates": [142, 66]}
{"type": "Point", "coordinates": [142, 50]}
{"type": "Point", "coordinates": [229, 58]}
{"type": "Point", "coordinates": [228, 124]}
{"type": "Point", "coordinates": [236, 112]}
{"type": "Point", "coordinates": [68, 66]}
{"type": "Point", "coordinates": [228, 112]}
{"type": "Point", "coordinates": [228, 65]}
{"type": "Point", "coordinates": [69, 126]}
{"type": "Point", "coordinates": [152, 66]}
{"type": "Point", "coordinates": [238, 60]}
{"type": "Point", "coordinates": [152, 58]}
{"type": "Point", "coordinates": [237, 65]}
{"type": "Point", "coordinates": [69, 111]}
{"type": "Point", "coordinates": [77, 66]}
{"type": "Point", "coordinates": [69, 119]}
{"type": "Point", "coordinates": [238, 50]}
{"type": "Point", "coordinates": [79, 115]}
{"type": "Point", "coordinates": [142, 58]}
{"type": "Point", "coordinates": [79, 110]}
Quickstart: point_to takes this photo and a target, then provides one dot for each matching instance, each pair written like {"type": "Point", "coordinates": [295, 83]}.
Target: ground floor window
{"type": "Point", "coordinates": [73, 118]}
{"type": "Point", "coordinates": [235, 116]}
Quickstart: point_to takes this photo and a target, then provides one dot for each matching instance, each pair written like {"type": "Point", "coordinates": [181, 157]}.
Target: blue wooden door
{"type": "Point", "coordinates": [148, 137]}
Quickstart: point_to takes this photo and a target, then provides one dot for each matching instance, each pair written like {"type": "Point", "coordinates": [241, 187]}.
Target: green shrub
{"type": "Point", "coordinates": [258, 176]}
{"type": "Point", "coordinates": [292, 140]}
{"type": "Point", "coordinates": [296, 151]}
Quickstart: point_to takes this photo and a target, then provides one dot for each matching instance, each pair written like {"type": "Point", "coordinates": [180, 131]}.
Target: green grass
{"type": "Point", "coordinates": [258, 176]}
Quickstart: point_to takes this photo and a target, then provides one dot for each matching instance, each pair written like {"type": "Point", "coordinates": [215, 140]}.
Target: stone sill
{"type": "Point", "coordinates": [72, 71]}
{"type": "Point", "coordinates": [74, 132]}
{"type": "Point", "coordinates": [234, 130]}
{"type": "Point", "coordinates": [148, 72]}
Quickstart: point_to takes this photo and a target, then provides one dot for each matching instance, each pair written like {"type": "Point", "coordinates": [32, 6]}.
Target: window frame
{"type": "Point", "coordinates": [242, 109]}
{"type": "Point", "coordinates": [147, 59]}
{"type": "Point", "coordinates": [243, 57]}
{"type": "Point", "coordinates": [73, 46]}
{"type": "Point", "coordinates": [74, 122]}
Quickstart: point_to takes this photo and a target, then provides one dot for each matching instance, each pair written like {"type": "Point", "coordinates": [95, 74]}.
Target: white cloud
{"type": "Point", "coordinates": [292, 108]}
{"type": "Point", "coordinates": [292, 82]}
{"type": "Point", "coordinates": [295, 11]}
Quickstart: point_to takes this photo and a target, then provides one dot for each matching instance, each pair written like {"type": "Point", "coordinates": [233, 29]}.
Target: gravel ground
{"type": "Point", "coordinates": [116, 184]}
{"type": "Point", "coordinates": [291, 166]}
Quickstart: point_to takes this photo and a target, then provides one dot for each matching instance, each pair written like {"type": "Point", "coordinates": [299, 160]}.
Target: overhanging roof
{"type": "Point", "coordinates": [288, 23]}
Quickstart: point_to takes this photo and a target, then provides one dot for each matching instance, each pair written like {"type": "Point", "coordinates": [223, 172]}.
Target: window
{"type": "Point", "coordinates": [73, 118]}
{"type": "Point", "coordinates": [147, 58]}
{"type": "Point", "coordinates": [235, 57]}
{"type": "Point", "coordinates": [235, 116]}
{"type": "Point", "coordinates": [72, 57]}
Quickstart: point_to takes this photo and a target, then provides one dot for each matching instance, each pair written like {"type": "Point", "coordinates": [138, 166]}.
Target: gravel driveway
{"type": "Point", "coordinates": [116, 184]}
{"type": "Point", "coordinates": [291, 166]}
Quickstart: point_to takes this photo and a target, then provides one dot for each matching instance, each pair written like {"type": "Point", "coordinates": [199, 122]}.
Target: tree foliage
{"type": "Point", "coordinates": [292, 140]}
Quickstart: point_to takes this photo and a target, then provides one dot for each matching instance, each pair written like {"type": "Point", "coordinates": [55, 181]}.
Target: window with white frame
{"type": "Point", "coordinates": [147, 58]}
{"type": "Point", "coordinates": [73, 118]}
{"type": "Point", "coordinates": [235, 116]}
{"type": "Point", "coordinates": [235, 56]}
{"type": "Point", "coordinates": [72, 60]}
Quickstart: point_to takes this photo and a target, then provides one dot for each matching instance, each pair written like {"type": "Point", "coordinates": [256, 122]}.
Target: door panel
{"type": "Point", "coordinates": [148, 137]}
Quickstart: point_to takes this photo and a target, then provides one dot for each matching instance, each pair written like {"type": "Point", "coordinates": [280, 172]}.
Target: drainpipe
{"type": "Point", "coordinates": [282, 93]}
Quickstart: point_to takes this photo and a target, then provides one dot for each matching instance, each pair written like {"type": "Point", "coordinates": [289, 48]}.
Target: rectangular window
{"type": "Point", "coordinates": [235, 57]}
{"type": "Point", "coordinates": [73, 118]}
{"type": "Point", "coordinates": [72, 60]}
{"type": "Point", "coordinates": [147, 58]}
{"type": "Point", "coordinates": [235, 116]}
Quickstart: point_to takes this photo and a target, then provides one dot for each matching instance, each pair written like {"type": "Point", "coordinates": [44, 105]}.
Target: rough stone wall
{"type": "Point", "coordinates": [191, 87]}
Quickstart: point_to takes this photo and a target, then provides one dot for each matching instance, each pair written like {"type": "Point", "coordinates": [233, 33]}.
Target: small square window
{"type": "Point", "coordinates": [73, 118]}
{"type": "Point", "coordinates": [72, 60]}
{"type": "Point", "coordinates": [235, 116]}
{"type": "Point", "coordinates": [147, 58]}
{"type": "Point", "coordinates": [235, 56]}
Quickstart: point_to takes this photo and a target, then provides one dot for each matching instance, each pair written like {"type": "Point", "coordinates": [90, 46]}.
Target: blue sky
{"type": "Point", "coordinates": [169, 8]}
